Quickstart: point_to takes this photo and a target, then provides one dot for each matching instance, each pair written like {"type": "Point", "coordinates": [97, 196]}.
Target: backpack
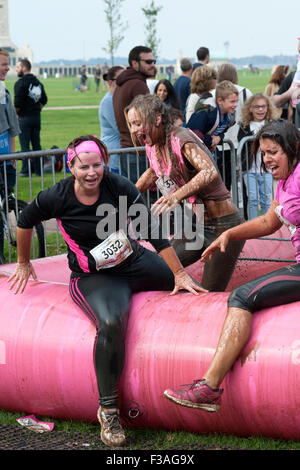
{"type": "Point", "coordinates": [201, 105]}
{"type": "Point", "coordinates": [56, 159]}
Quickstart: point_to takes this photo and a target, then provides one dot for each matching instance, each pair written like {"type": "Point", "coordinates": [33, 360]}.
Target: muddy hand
{"type": "Point", "coordinates": [185, 282]}
{"type": "Point", "coordinates": [164, 204]}
{"type": "Point", "coordinates": [20, 277]}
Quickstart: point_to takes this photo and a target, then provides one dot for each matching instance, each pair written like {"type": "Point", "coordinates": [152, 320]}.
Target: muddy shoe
{"type": "Point", "coordinates": [196, 395]}
{"type": "Point", "coordinates": [112, 433]}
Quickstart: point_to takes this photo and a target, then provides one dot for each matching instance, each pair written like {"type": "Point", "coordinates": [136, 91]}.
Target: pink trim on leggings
{"type": "Point", "coordinates": [272, 280]}
{"type": "Point", "coordinates": [80, 300]}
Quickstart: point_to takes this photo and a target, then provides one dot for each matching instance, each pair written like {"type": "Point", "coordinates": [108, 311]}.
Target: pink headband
{"type": "Point", "coordinates": [83, 147]}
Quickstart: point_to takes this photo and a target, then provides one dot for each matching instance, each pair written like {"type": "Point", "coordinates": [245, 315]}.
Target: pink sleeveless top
{"type": "Point", "coordinates": [288, 196]}
{"type": "Point", "coordinates": [180, 136]}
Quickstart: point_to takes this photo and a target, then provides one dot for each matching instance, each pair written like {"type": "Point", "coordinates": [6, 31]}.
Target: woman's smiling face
{"type": "Point", "coordinates": [162, 92]}
{"type": "Point", "coordinates": [88, 172]}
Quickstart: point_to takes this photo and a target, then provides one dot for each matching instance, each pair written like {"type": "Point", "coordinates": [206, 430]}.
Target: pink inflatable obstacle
{"type": "Point", "coordinates": [46, 351]}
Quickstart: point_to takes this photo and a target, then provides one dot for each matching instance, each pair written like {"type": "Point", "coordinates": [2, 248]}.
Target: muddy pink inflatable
{"type": "Point", "coordinates": [46, 350]}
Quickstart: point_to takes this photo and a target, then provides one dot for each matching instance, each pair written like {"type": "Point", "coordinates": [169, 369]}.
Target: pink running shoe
{"type": "Point", "coordinates": [197, 395]}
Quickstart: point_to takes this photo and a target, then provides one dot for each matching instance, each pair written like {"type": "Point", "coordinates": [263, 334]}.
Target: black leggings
{"type": "Point", "coordinates": [276, 288]}
{"type": "Point", "coordinates": [105, 298]}
{"type": "Point", "coordinates": [217, 271]}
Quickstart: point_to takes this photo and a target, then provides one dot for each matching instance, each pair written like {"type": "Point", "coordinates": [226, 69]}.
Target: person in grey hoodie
{"type": "Point", "coordinates": [30, 97]}
{"type": "Point", "coordinates": [9, 125]}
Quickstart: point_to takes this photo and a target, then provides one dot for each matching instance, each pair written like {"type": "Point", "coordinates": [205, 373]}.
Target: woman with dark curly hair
{"type": "Point", "coordinates": [107, 264]}
{"type": "Point", "coordinates": [279, 145]}
{"type": "Point", "coordinates": [166, 92]}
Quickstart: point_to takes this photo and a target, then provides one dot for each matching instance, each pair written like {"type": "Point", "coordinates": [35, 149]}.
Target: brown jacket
{"type": "Point", "coordinates": [130, 83]}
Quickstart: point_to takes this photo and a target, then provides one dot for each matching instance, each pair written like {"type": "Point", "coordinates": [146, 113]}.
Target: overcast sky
{"type": "Point", "coordinates": [75, 29]}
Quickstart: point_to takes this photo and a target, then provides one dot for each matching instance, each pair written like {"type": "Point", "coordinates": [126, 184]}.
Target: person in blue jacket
{"type": "Point", "coordinates": [109, 132]}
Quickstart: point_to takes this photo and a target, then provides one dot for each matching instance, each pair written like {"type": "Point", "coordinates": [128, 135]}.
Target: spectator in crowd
{"type": "Point", "coordinates": [170, 71]}
{"type": "Point", "coordinates": [97, 76]}
{"type": "Point", "coordinates": [278, 75]}
{"type": "Point", "coordinates": [152, 82]}
{"type": "Point", "coordinates": [287, 91]}
{"type": "Point", "coordinates": [176, 117]}
{"type": "Point", "coordinates": [280, 72]}
{"type": "Point", "coordinates": [83, 78]}
{"type": "Point", "coordinates": [204, 80]}
{"type": "Point", "coordinates": [228, 72]}
{"type": "Point", "coordinates": [166, 92]}
{"type": "Point", "coordinates": [104, 70]}
{"type": "Point", "coordinates": [257, 111]}
{"type": "Point", "coordinates": [9, 124]}
{"type": "Point", "coordinates": [211, 123]}
{"type": "Point", "coordinates": [297, 116]}
{"type": "Point", "coordinates": [108, 127]}
{"type": "Point", "coordinates": [182, 85]}
{"type": "Point", "coordinates": [30, 97]}
{"type": "Point", "coordinates": [130, 83]}
{"type": "Point", "coordinates": [202, 56]}
{"type": "Point", "coordinates": [9, 129]}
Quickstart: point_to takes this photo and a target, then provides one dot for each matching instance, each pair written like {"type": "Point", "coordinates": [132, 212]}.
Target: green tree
{"type": "Point", "coordinates": [151, 11]}
{"type": "Point", "coordinates": [112, 10]}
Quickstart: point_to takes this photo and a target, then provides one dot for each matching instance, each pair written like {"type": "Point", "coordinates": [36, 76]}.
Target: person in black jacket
{"type": "Point", "coordinates": [30, 97]}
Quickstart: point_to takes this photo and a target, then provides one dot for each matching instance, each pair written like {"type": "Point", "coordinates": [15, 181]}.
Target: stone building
{"type": "Point", "coordinates": [15, 53]}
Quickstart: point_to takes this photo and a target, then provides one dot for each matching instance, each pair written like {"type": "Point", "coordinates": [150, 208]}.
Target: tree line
{"type": "Point", "coordinates": [117, 28]}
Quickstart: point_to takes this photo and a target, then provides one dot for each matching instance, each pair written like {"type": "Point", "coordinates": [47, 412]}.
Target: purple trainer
{"type": "Point", "coordinates": [196, 395]}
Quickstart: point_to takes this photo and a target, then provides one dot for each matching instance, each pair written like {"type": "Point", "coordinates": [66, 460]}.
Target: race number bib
{"type": "Point", "coordinates": [290, 226]}
{"type": "Point", "coordinates": [112, 251]}
{"type": "Point", "coordinates": [165, 185]}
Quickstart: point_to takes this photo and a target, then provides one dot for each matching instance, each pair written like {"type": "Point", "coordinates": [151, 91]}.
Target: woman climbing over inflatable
{"type": "Point", "coordinates": [279, 142]}
{"type": "Point", "coordinates": [183, 169]}
{"type": "Point", "coordinates": [107, 265]}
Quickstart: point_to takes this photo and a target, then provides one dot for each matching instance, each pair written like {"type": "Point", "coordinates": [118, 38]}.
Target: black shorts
{"type": "Point", "coordinates": [276, 288]}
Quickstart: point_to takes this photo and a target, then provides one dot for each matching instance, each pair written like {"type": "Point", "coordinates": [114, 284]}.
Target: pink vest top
{"type": "Point", "coordinates": [216, 190]}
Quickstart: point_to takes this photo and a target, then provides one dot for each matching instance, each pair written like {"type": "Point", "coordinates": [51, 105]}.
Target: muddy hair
{"type": "Point", "coordinates": [148, 108]}
{"type": "Point", "coordinates": [101, 145]}
{"type": "Point", "coordinates": [285, 134]}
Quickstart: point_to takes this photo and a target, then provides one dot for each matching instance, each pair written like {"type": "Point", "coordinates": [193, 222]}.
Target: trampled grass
{"type": "Point", "coordinates": [58, 128]}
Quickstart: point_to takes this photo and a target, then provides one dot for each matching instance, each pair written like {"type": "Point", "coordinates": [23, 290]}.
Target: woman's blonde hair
{"type": "Point", "coordinates": [202, 77]}
{"type": "Point", "coordinates": [272, 114]}
{"type": "Point", "coordinates": [227, 72]}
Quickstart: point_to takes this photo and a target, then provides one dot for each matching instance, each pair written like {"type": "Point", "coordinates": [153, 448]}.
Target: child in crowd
{"type": "Point", "coordinates": [211, 123]}
{"type": "Point", "coordinates": [257, 111]}
{"type": "Point", "coordinates": [177, 117]}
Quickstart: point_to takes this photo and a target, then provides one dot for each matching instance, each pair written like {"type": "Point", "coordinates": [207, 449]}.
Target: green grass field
{"type": "Point", "coordinates": [58, 128]}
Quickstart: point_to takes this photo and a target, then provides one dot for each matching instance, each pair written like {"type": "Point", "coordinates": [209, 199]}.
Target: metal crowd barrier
{"type": "Point", "coordinates": [135, 158]}
{"type": "Point", "coordinates": [258, 186]}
